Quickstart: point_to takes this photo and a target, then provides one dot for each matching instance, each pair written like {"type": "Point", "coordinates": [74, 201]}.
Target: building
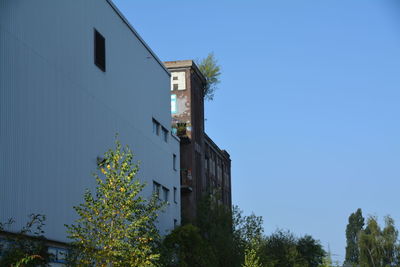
{"type": "Point", "coordinates": [72, 75]}
{"type": "Point", "coordinates": [205, 168]}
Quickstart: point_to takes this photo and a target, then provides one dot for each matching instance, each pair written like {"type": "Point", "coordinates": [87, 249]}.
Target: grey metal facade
{"type": "Point", "coordinates": [59, 111]}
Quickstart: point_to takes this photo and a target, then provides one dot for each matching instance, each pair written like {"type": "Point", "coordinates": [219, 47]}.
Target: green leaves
{"type": "Point", "coordinates": [251, 258]}
{"type": "Point", "coordinates": [115, 225]}
{"type": "Point", "coordinates": [211, 71]}
{"type": "Point", "coordinates": [23, 250]}
{"type": "Point", "coordinates": [355, 225]}
{"type": "Point", "coordinates": [379, 247]}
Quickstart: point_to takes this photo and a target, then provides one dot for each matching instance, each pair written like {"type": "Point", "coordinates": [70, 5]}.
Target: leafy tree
{"type": "Point", "coordinates": [211, 70]}
{"type": "Point", "coordinates": [247, 228]}
{"type": "Point", "coordinates": [27, 247]}
{"type": "Point", "coordinates": [247, 232]}
{"type": "Point", "coordinates": [116, 225]}
{"type": "Point", "coordinates": [280, 250]}
{"type": "Point", "coordinates": [310, 250]}
{"type": "Point", "coordinates": [185, 247]}
{"type": "Point", "coordinates": [355, 225]}
{"type": "Point", "coordinates": [327, 260]}
{"type": "Point", "coordinates": [251, 258]}
{"type": "Point", "coordinates": [379, 248]}
{"type": "Point", "coordinates": [215, 223]}
{"type": "Point", "coordinates": [283, 249]}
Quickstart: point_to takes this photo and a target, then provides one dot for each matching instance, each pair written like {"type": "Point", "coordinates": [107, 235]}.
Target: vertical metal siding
{"type": "Point", "coordinates": [58, 111]}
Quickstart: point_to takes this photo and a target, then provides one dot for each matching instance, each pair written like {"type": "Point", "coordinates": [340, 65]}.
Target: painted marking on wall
{"type": "Point", "coordinates": [173, 104]}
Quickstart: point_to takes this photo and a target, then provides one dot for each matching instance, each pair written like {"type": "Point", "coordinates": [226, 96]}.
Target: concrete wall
{"type": "Point", "coordinates": [59, 111]}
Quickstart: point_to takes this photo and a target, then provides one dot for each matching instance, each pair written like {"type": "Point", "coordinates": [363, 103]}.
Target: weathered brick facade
{"type": "Point", "coordinates": [205, 168]}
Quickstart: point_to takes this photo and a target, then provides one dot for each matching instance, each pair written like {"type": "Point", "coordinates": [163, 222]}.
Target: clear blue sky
{"type": "Point", "coordinates": [308, 106]}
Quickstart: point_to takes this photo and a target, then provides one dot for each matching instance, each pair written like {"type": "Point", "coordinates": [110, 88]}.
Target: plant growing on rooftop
{"type": "Point", "coordinates": [211, 71]}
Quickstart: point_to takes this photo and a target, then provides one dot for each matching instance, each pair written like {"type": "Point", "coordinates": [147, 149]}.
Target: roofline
{"type": "Point", "coordinates": [221, 151]}
{"type": "Point", "coordinates": [191, 64]}
{"type": "Point", "coordinates": [110, 2]}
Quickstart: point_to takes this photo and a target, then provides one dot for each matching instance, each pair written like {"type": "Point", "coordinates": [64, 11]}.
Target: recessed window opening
{"type": "Point", "coordinates": [165, 193]}
{"type": "Point", "coordinates": [165, 134]}
{"type": "Point", "coordinates": [99, 50]}
{"type": "Point", "coordinates": [174, 162]}
{"type": "Point", "coordinates": [156, 189]}
{"type": "Point", "coordinates": [175, 191]}
{"type": "Point", "coordinates": [156, 127]}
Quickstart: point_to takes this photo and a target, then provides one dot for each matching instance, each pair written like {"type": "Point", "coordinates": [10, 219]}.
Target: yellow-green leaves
{"type": "Point", "coordinates": [115, 226]}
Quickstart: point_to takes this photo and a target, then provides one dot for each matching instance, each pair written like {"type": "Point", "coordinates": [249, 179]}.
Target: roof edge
{"type": "Point", "coordinates": [182, 64]}
{"type": "Point", "coordinates": [222, 151]}
{"type": "Point", "coordinates": [119, 13]}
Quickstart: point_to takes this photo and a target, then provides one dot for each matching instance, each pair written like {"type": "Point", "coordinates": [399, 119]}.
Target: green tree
{"type": "Point", "coordinates": [379, 248]}
{"type": "Point", "coordinates": [354, 226]}
{"type": "Point", "coordinates": [280, 250]}
{"type": "Point", "coordinates": [116, 225]}
{"type": "Point", "coordinates": [251, 258]}
{"type": "Point", "coordinates": [327, 260]}
{"type": "Point", "coordinates": [185, 247]}
{"type": "Point", "coordinates": [283, 249]}
{"type": "Point", "coordinates": [215, 223]}
{"type": "Point", "coordinates": [311, 251]}
{"type": "Point", "coordinates": [27, 247]}
{"type": "Point", "coordinates": [211, 71]}
{"type": "Point", "coordinates": [248, 229]}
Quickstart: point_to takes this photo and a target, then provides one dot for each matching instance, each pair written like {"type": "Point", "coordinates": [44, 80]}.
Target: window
{"type": "Point", "coordinates": [175, 223]}
{"type": "Point", "coordinates": [165, 134]}
{"type": "Point", "coordinates": [156, 127]}
{"type": "Point", "coordinates": [99, 50]}
{"type": "Point", "coordinates": [176, 86]}
{"type": "Point", "coordinates": [174, 162]}
{"type": "Point", "coordinates": [165, 193]}
{"type": "Point", "coordinates": [156, 189]}
{"type": "Point", "coordinates": [175, 191]}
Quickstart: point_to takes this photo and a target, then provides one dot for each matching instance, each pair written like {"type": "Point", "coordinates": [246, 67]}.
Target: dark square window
{"type": "Point", "coordinates": [175, 78]}
{"type": "Point", "coordinates": [175, 86]}
{"type": "Point", "coordinates": [99, 51]}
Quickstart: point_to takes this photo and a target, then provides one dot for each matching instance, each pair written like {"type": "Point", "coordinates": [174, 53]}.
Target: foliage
{"type": "Point", "coordinates": [379, 247]}
{"type": "Point", "coordinates": [280, 250]}
{"type": "Point", "coordinates": [355, 225]}
{"type": "Point", "coordinates": [310, 250]}
{"type": "Point", "coordinates": [215, 223]}
{"type": "Point", "coordinates": [327, 260]}
{"type": "Point", "coordinates": [283, 249]}
{"type": "Point", "coordinates": [247, 228]}
{"type": "Point", "coordinates": [185, 247]}
{"type": "Point", "coordinates": [28, 246]}
{"type": "Point", "coordinates": [251, 259]}
{"type": "Point", "coordinates": [211, 71]}
{"type": "Point", "coordinates": [116, 226]}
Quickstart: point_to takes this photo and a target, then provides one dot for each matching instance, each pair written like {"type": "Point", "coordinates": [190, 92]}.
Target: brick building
{"type": "Point", "coordinates": [205, 168]}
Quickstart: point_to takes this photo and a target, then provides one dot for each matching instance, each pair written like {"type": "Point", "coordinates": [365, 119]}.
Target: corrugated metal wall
{"type": "Point", "coordinates": [58, 111]}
